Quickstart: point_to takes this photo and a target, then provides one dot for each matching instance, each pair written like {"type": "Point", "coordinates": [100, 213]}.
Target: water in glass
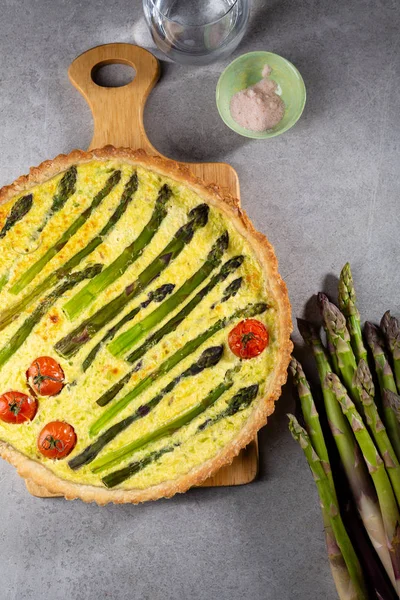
{"type": "Point", "coordinates": [196, 31]}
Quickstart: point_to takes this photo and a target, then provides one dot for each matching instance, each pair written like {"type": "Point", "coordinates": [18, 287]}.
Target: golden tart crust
{"type": "Point", "coordinates": [229, 205]}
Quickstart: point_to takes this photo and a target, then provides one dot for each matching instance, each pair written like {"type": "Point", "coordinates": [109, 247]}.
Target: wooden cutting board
{"type": "Point", "coordinates": [118, 120]}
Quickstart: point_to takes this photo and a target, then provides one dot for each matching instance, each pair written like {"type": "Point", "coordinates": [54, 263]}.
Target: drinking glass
{"type": "Point", "coordinates": [196, 32]}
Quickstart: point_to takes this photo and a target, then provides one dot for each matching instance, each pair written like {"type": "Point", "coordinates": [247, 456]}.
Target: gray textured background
{"type": "Point", "coordinates": [325, 192]}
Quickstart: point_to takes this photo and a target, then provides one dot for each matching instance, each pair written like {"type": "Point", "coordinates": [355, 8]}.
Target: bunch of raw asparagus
{"type": "Point", "coordinates": [351, 439]}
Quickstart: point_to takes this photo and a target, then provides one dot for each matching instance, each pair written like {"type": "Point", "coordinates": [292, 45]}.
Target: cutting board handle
{"type": "Point", "coordinates": [117, 111]}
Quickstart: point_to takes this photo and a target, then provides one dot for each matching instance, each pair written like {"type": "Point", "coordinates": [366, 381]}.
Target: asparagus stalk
{"type": "Point", "coordinates": [249, 311]}
{"type": "Point", "coordinates": [73, 342]}
{"type": "Point", "coordinates": [308, 407]}
{"type": "Point", "coordinates": [391, 330]}
{"type": "Point", "coordinates": [386, 382]}
{"type": "Point", "coordinates": [118, 477]}
{"type": "Point", "coordinates": [354, 466]}
{"type": "Point", "coordinates": [115, 389]}
{"type": "Point", "coordinates": [19, 210]}
{"type": "Point", "coordinates": [21, 207]}
{"type": "Point", "coordinates": [331, 507]}
{"type": "Point", "coordinates": [207, 359]}
{"type": "Point", "coordinates": [340, 337]}
{"type": "Point", "coordinates": [117, 456]}
{"type": "Point", "coordinates": [157, 295]}
{"type": "Point", "coordinates": [386, 497]}
{"type": "Point", "coordinates": [364, 383]}
{"type": "Point", "coordinates": [14, 311]}
{"type": "Point", "coordinates": [39, 265]}
{"type": "Point", "coordinates": [23, 332]}
{"type": "Point", "coordinates": [65, 189]}
{"type": "Point", "coordinates": [339, 570]}
{"type": "Point", "coordinates": [78, 303]}
{"type": "Point", "coordinates": [312, 338]}
{"type": "Point", "coordinates": [239, 402]}
{"type": "Point", "coordinates": [176, 320]}
{"type": "Point", "coordinates": [3, 280]}
{"type": "Point", "coordinates": [230, 291]}
{"type": "Point", "coordinates": [127, 339]}
{"type": "Point", "coordinates": [347, 304]}
{"type": "Point", "coordinates": [393, 400]}
{"type": "Point", "coordinates": [311, 418]}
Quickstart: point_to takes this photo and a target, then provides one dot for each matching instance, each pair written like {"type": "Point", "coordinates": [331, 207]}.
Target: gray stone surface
{"type": "Point", "coordinates": [325, 192]}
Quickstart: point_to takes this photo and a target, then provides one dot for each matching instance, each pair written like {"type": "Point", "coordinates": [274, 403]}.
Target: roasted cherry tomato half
{"type": "Point", "coordinates": [248, 339]}
{"type": "Point", "coordinates": [16, 407]}
{"type": "Point", "coordinates": [45, 376]}
{"type": "Point", "coordinates": [56, 440]}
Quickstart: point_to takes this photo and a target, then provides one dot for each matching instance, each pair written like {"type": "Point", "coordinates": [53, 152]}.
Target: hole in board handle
{"type": "Point", "coordinates": [113, 74]}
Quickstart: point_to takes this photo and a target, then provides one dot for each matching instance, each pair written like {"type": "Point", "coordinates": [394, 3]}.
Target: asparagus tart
{"type": "Point", "coordinates": [145, 330]}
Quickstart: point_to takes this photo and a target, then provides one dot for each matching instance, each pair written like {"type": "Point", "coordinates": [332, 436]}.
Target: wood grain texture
{"type": "Point", "coordinates": [118, 112]}
{"type": "Point", "coordinates": [118, 120]}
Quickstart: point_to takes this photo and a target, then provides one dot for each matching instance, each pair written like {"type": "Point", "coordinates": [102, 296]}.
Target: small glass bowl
{"type": "Point", "coordinates": [246, 71]}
